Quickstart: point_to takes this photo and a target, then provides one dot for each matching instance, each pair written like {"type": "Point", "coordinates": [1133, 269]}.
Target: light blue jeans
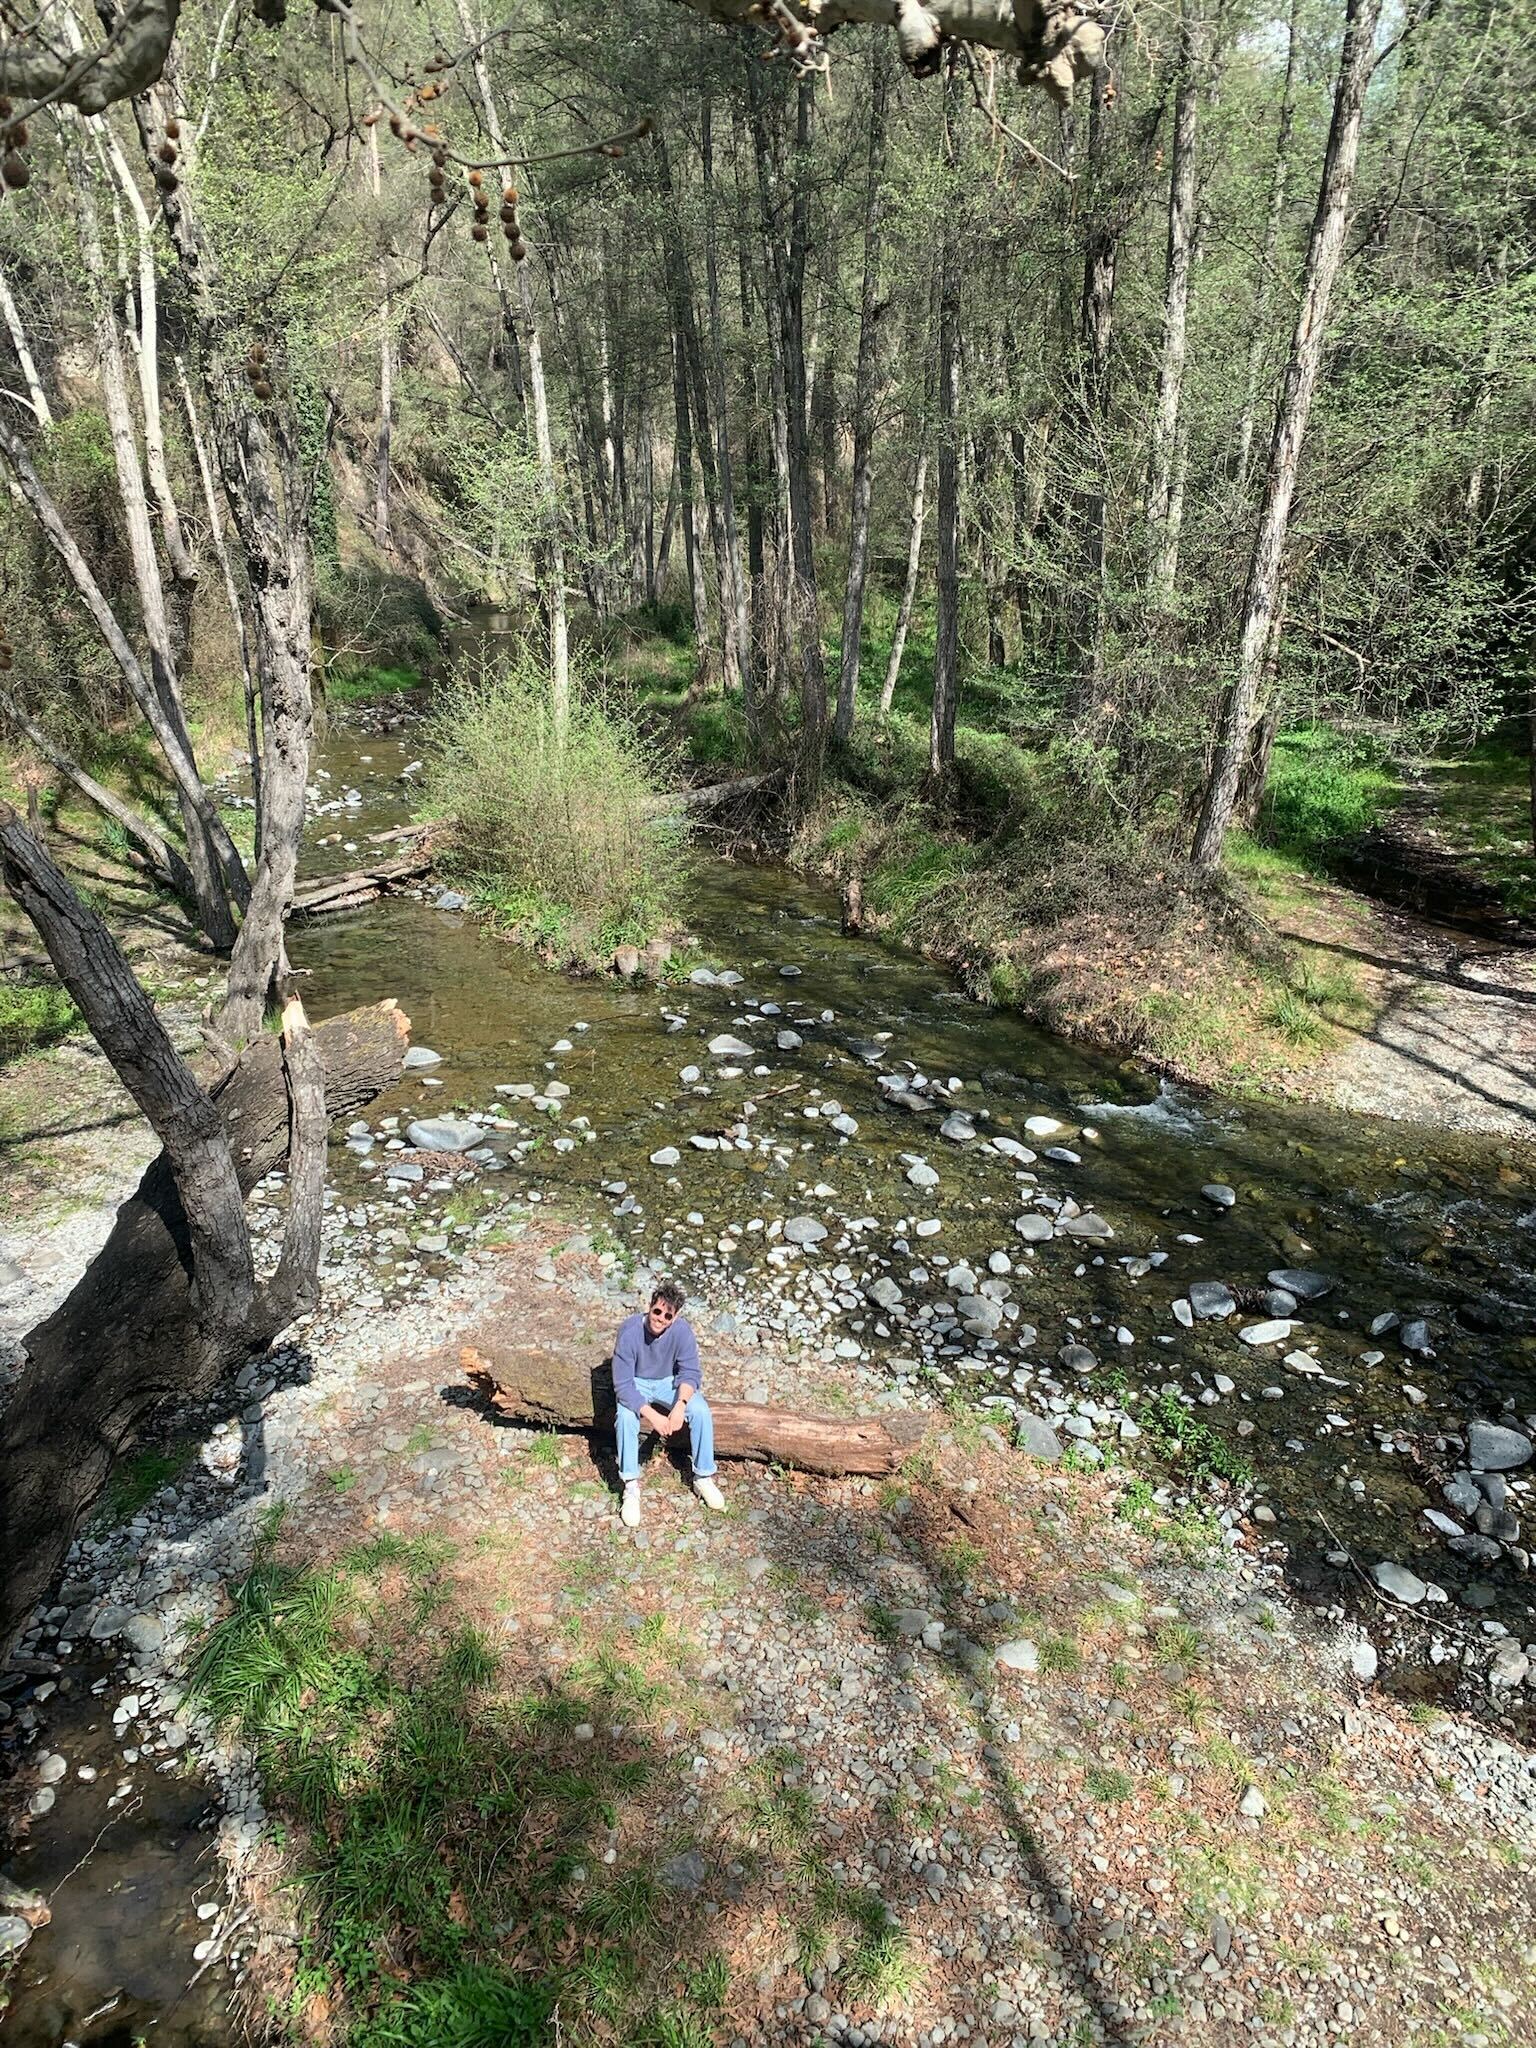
{"type": "Point", "coordinates": [701, 1429]}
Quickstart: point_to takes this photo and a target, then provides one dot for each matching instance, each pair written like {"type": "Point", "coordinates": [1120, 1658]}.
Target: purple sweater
{"type": "Point", "coordinates": [673, 1355]}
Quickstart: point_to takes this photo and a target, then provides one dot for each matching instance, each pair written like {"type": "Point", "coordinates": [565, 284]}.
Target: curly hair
{"type": "Point", "coordinates": [669, 1292]}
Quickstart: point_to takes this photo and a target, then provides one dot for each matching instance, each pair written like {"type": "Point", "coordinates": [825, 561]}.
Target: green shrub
{"type": "Point", "coordinates": [1325, 789]}
{"type": "Point", "coordinates": [33, 1016]}
{"type": "Point", "coordinates": [372, 618]}
{"type": "Point", "coordinates": [561, 839]}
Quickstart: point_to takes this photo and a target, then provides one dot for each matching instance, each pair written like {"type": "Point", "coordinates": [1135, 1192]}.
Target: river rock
{"type": "Point", "coordinates": [51, 1768]}
{"type": "Point", "coordinates": [1460, 1492]}
{"type": "Point", "coordinates": [443, 1134]}
{"type": "Point", "coordinates": [958, 1128]}
{"type": "Point", "coordinates": [788, 1041]}
{"type": "Point", "coordinates": [1219, 1195]}
{"type": "Point", "coordinates": [684, 1873]}
{"type": "Point", "coordinates": [421, 1056]}
{"type": "Point", "coordinates": [1020, 1655]}
{"type": "Point", "coordinates": [1267, 1333]}
{"type": "Point", "coordinates": [1076, 1358]}
{"type": "Point", "coordinates": [884, 1293]}
{"type": "Point", "coordinates": [667, 1156]}
{"type": "Point", "coordinates": [922, 1175]}
{"type": "Point", "coordinates": [1491, 1447]}
{"type": "Point", "coordinates": [1414, 1336]}
{"type": "Point", "coordinates": [845, 1125]}
{"type": "Point", "coordinates": [1401, 1583]}
{"type": "Point", "coordinates": [1211, 1300]}
{"type": "Point", "coordinates": [108, 1622]}
{"type": "Point", "coordinates": [1041, 1126]}
{"type": "Point", "coordinates": [1363, 1661]}
{"type": "Point", "coordinates": [1089, 1225]}
{"type": "Point", "coordinates": [979, 1314]}
{"type": "Point", "coordinates": [1063, 1155]}
{"type": "Point", "coordinates": [1034, 1229]}
{"type": "Point", "coordinates": [726, 1047]}
{"type": "Point", "coordinates": [1304, 1284]}
{"type": "Point", "coordinates": [1183, 1314]}
{"type": "Point", "coordinates": [1252, 1805]}
{"type": "Point", "coordinates": [1012, 1149]}
{"type": "Point", "coordinates": [1278, 1301]}
{"type": "Point", "coordinates": [1476, 1549]}
{"type": "Point", "coordinates": [1442, 1524]}
{"type": "Point", "coordinates": [804, 1230]}
{"type": "Point", "coordinates": [704, 977]}
{"type": "Point", "coordinates": [450, 899]}
{"type": "Point", "coordinates": [404, 1169]}
{"type": "Point", "coordinates": [1510, 1666]}
{"type": "Point", "coordinates": [1032, 1433]}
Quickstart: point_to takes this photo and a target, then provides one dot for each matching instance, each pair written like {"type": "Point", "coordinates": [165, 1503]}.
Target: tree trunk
{"type": "Point", "coordinates": [386, 409]}
{"type": "Point", "coordinates": [555, 1390]}
{"type": "Point", "coordinates": [1264, 289]}
{"type": "Point", "coordinates": [734, 597]}
{"type": "Point", "coordinates": [553, 538]}
{"type": "Point", "coordinates": [682, 471]}
{"type": "Point", "coordinates": [161, 858]}
{"type": "Point", "coordinates": [1324, 252]}
{"type": "Point", "coordinates": [1091, 404]}
{"type": "Point", "coordinates": [146, 1323]}
{"type": "Point", "coordinates": [804, 605]}
{"type": "Point", "coordinates": [206, 842]}
{"type": "Point", "coordinates": [36, 396]}
{"type": "Point", "coordinates": [908, 588]}
{"type": "Point", "coordinates": [946, 649]}
{"type": "Point", "coordinates": [866, 378]}
{"type": "Point", "coordinates": [1163, 562]}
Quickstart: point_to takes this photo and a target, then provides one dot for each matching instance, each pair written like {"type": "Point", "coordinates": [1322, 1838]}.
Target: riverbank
{"type": "Point", "coordinates": [1004, 1750]}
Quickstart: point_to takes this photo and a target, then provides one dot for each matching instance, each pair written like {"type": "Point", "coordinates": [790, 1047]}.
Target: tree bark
{"type": "Point", "coordinates": [804, 604]}
{"type": "Point", "coordinates": [735, 592]}
{"type": "Point", "coordinates": [1106, 222]}
{"type": "Point", "coordinates": [866, 378]}
{"type": "Point", "coordinates": [1324, 251]}
{"type": "Point", "coordinates": [908, 588]}
{"type": "Point", "coordinates": [36, 396]}
{"type": "Point", "coordinates": [161, 858]}
{"type": "Point", "coordinates": [946, 648]}
{"type": "Point", "coordinates": [134, 1332]}
{"type": "Point", "coordinates": [1279, 184]}
{"type": "Point", "coordinates": [561, 1392]}
{"type": "Point", "coordinates": [386, 412]}
{"type": "Point", "coordinates": [1162, 500]}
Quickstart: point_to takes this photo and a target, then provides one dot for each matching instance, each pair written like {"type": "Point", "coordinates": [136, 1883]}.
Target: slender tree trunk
{"type": "Point", "coordinates": [805, 607]}
{"type": "Point", "coordinates": [734, 596]}
{"type": "Point", "coordinates": [908, 588]}
{"type": "Point", "coordinates": [1091, 405]}
{"type": "Point", "coordinates": [37, 397]}
{"type": "Point", "coordinates": [552, 535]}
{"type": "Point", "coordinates": [866, 379]}
{"type": "Point", "coordinates": [1163, 560]}
{"type": "Point", "coordinates": [227, 573]}
{"type": "Point", "coordinates": [682, 470]}
{"type": "Point", "coordinates": [386, 410]}
{"type": "Point", "coordinates": [161, 858]}
{"type": "Point", "coordinates": [946, 651]}
{"type": "Point", "coordinates": [1324, 252]}
{"type": "Point", "coordinates": [204, 851]}
{"type": "Point", "coordinates": [1279, 185]}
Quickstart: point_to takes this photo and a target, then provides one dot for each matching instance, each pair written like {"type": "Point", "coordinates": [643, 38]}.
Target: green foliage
{"type": "Point", "coordinates": [136, 1480]}
{"type": "Point", "coordinates": [33, 1016]}
{"type": "Point", "coordinates": [1176, 1434]}
{"type": "Point", "coordinates": [1325, 789]}
{"type": "Point", "coordinates": [559, 835]}
{"type": "Point", "coordinates": [377, 625]}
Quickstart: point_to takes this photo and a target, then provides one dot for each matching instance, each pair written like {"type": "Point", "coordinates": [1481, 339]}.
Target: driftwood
{"type": "Point", "coordinates": [529, 1384]}
{"type": "Point", "coordinates": [123, 1341]}
{"type": "Point", "coordinates": [345, 892]}
{"type": "Point", "coordinates": [711, 795]}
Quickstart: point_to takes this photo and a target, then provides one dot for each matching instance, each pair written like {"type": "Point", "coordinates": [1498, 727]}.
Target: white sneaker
{"type": "Point", "coordinates": [710, 1494]}
{"type": "Point", "coordinates": [629, 1512]}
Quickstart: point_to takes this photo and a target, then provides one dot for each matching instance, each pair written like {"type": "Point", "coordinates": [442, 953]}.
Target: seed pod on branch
{"type": "Point", "coordinates": [14, 172]}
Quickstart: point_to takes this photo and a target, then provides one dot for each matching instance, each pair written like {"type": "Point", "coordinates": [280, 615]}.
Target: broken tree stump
{"type": "Point", "coordinates": [527, 1383]}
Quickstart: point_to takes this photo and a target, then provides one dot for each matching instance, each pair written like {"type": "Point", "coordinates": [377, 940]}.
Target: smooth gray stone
{"type": "Point", "coordinates": [1035, 1229]}
{"type": "Point", "coordinates": [1401, 1583]}
{"type": "Point", "coordinates": [727, 1047]}
{"type": "Point", "coordinates": [1211, 1299]}
{"type": "Point", "coordinates": [1076, 1358]}
{"type": "Point", "coordinates": [667, 1156]}
{"type": "Point", "coordinates": [1219, 1194]}
{"type": "Point", "coordinates": [804, 1230]}
{"type": "Point", "coordinates": [788, 1041]}
{"type": "Point", "coordinates": [1414, 1336]}
{"type": "Point", "coordinates": [443, 1134]}
{"type": "Point", "coordinates": [421, 1056]}
{"type": "Point", "coordinates": [1491, 1447]}
{"type": "Point", "coordinates": [1034, 1434]}
{"type": "Point", "coordinates": [1088, 1225]}
{"type": "Point", "coordinates": [1303, 1283]}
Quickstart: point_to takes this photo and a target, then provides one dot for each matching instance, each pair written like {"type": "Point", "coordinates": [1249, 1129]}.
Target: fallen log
{"type": "Point", "coordinates": [528, 1384]}
{"type": "Point", "coordinates": [123, 1342]}
{"type": "Point", "coordinates": [361, 885]}
{"type": "Point", "coordinates": [710, 796]}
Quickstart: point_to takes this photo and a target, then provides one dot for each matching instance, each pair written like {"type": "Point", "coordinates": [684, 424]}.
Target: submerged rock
{"type": "Point", "coordinates": [727, 1047]}
{"type": "Point", "coordinates": [804, 1230]}
{"type": "Point", "coordinates": [1401, 1583]}
{"type": "Point", "coordinates": [1304, 1284]}
{"type": "Point", "coordinates": [1211, 1299]}
{"type": "Point", "coordinates": [443, 1134]}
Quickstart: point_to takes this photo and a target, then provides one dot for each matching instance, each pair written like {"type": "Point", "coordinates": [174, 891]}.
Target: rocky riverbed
{"type": "Point", "coordinates": [1104, 1776]}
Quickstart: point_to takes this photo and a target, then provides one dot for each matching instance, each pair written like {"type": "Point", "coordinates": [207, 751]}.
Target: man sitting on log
{"type": "Point", "coordinates": [656, 1380]}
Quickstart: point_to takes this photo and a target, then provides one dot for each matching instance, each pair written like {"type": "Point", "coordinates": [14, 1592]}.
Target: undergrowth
{"type": "Point", "coordinates": [449, 1863]}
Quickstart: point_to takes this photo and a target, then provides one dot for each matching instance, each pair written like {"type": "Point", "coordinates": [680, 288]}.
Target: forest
{"type": "Point", "coordinates": [1021, 513]}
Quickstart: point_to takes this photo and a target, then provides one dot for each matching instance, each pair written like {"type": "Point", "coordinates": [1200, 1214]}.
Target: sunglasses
{"type": "Point", "coordinates": [663, 1311]}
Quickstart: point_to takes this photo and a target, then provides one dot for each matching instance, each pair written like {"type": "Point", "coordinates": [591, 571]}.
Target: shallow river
{"type": "Point", "coordinates": [1417, 1223]}
{"type": "Point", "coordinates": [1427, 1226]}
